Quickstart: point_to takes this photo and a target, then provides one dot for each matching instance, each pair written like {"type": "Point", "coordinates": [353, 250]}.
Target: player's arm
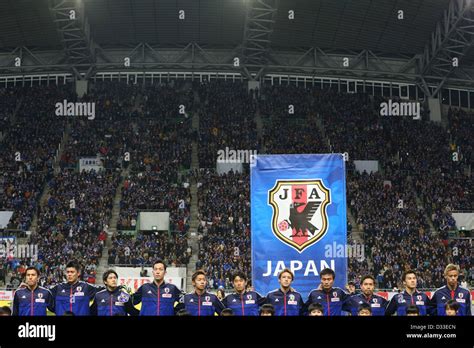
{"type": "Point", "coordinates": [94, 289]}
{"type": "Point", "coordinates": [468, 304]}
{"type": "Point", "coordinates": [392, 306]}
{"type": "Point", "coordinates": [130, 308]}
{"type": "Point", "coordinates": [179, 294]}
{"type": "Point", "coordinates": [302, 305]}
{"type": "Point", "coordinates": [137, 296]}
{"type": "Point", "coordinates": [180, 304]}
{"type": "Point", "coordinates": [346, 301]}
{"type": "Point", "coordinates": [16, 304]}
{"type": "Point", "coordinates": [54, 290]}
{"type": "Point", "coordinates": [94, 310]}
{"type": "Point", "coordinates": [268, 299]}
{"type": "Point", "coordinates": [384, 305]}
{"type": "Point", "coordinates": [261, 299]}
{"type": "Point", "coordinates": [308, 301]}
{"type": "Point", "coordinates": [432, 308]}
{"type": "Point", "coordinates": [346, 298]}
{"type": "Point", "coordinates": [224, 301]}
{"type": "Point", "coordinates": [51, 305]}
{"type": "Point", "coordinates": [218, 306]}
{"type": "Point", "coordinates": [347, 305]}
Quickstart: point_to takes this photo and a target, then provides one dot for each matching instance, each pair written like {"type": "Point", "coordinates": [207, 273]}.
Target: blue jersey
{"type": "Point", "coordinates": [332, 300]}
{"type": "Point", "coordinates": [286, 304]}
{"type": "Point", "coordinates": [461, 295]}
{"type": "Point", "coordinates": [32, 303]}
{"type": "Point", "coordinates": [377, 304]}
{"type": "Point", "coordinates": [157, 300]}
{"type": "Point", "coordinates": [400, 302]}
{"type": "Point", "coordinates": [206, 304]}
{"type": "Point", "coordinates": [74, 297]}
{"type": "Point", "coordinates": [112, 303]}
{"type": "Point", "coordinates": [245, 304]}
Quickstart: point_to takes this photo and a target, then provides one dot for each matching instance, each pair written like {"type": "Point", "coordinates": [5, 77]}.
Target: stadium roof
{"type": "Point", "coordinates": [328, 25]}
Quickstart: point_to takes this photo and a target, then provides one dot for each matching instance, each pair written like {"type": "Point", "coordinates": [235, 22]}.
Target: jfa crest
{"type": "Point", "coordinates": [299, 211]}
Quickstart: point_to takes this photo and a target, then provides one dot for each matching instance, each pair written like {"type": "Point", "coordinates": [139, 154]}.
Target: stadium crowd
{"type": "Point", "coordinates": [73, 221]}
{"type": "Point", "coordinates": [28, 150]}
{"type": "Point", "coordinates": [144, 249]}
{"type": "Point", "coordinates": [226, 119]}
{"type": "Point", "coordinates": [417, 188]}
{"type": "Point", "coordinates": [224, 229]}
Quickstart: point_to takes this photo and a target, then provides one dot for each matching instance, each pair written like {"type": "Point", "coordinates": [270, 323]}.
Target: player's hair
{"type": "Point", "coordinates": [198, 272]}
{"type": "Point", "coordinates": [364, 306]}
{"type": "Point", "coordinates": [74, 264]}
{"type": "Point", "coordinates": [351, 283]}
{"type": "Point", "coordinates": [107, 273]}
{"type": "Point", "coordinates": [267, 308]}
{"type": "Point", "coordinates": [404, 274]}
{"type": "Point", "coordinates": [315, 306]}
{"type": "Point", "coordinates": [328, 271]}
{"type": "Point", "coordinates": [31, 268]}
{"type": "Point", "coordinates": [412, 309]}
{"type": "Point", "coordinates": [5, 310]}
{"type": "Point", "coordinates": [227, 311]}
{"type": "Point", "coordinates": [368, 276]}
{"type": "Point", "coordinates": [239, 274]}
{"type": "Point", "coordinates": [159, 261]}
{"type": "Point", "coordinates": [221, 291]}
{"type": "Point", "coordinates": [286, 270]}
{"type": "Point", "coordinates": [451, 304]}
{"type": "Point", "coordinates": [451, 267]}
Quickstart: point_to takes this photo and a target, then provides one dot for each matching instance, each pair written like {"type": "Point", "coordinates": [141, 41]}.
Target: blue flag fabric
{"type": "Point", "coordinates": [298, 219]}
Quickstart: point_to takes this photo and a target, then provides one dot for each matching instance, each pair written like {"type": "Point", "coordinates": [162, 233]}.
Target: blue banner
{"type": "Point", "coordinates": [298, 219]}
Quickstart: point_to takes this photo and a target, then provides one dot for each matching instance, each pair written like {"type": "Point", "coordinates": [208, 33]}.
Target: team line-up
{"type": "Point", "coordinates": [158, 298]}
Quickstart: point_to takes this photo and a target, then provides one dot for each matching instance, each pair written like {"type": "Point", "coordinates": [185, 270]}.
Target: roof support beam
{"type": "Point", "coordinates": [449, 43]}
{"type": "Point", "coordinates": [74, 31]}
{"type": "Point", "coordinates": [310, 61]}
{"type": "Point", "coordinates": [258, 28]}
